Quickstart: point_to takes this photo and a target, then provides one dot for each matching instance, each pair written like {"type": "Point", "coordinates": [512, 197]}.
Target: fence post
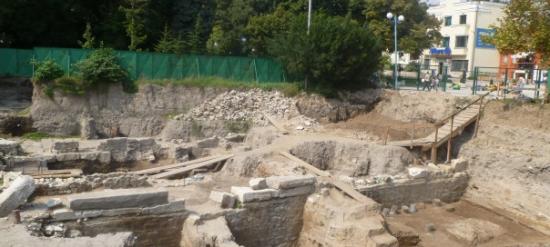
{"type": "Point", "coordinates": [547, 85]}
{"type": "Point", "coordinates": [505, 89]}
{"type": "Point", "coordinates": [444, 78]}
{"type": "Point", "coordinates": [197, 65]}
{"type": "Point", "coordinates": [449, 140]}
{"type": "Point", "coordinates": [474, 85]}
{"type": "Point", "coordinates": [255, 70]}
{"type": "Point", "coordinates": [537, 87]}
{"type": "Point", "coordinates": [418, 72]}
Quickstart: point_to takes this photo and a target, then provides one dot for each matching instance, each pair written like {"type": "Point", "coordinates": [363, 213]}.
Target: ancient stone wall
{"type": "Point", "coordinates": [150, 230]}
{"type": "Point", "coordinates": [114, 112]}
{"type": "Point", "coordinates": [447, 189]}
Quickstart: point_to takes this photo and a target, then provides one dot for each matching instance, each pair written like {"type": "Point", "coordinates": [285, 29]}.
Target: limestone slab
{"type": "Point", "coordinates": [289, 182]}
{"type": "Point", "coordinates": [123, 198]}
{"type": "Point", "coordinates": [16, 194]}
{"type": "Point", "coordinates": [247, 194]}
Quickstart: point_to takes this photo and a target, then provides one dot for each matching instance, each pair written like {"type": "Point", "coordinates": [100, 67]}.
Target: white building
{"type": "Point", "coordinates": [464, 22]}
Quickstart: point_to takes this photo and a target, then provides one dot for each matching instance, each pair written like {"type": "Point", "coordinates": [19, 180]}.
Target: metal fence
{"type": "Point", "coordinates": [510, 82]}
{"type": "Point", "coordinates": [148, 65]}
{"type": "Point", "coordinates": [419, 78]}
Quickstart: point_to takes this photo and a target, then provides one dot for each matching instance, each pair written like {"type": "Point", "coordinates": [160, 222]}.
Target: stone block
{"type": "Point", "coordinates": [171, 207]}
{"type": "Point", "coordinates": [257, 183]}
{"type": "Point", "coordinates": [235, 137]}
{"type": "Point", "coordinates": [123, 198]}
{"type": "Point", "coordinates": [65, 147]}
{"type": "Point", "coordinates": [227, 200]}
{"type": "Point", "coordinates": [63, 214]}
{"type": "Point", "coordinates": [208, 142]}
{"type": "Point", "coordinates": [298, 191]}
{"type": "Point", "coordinates": [8, 147]}
{"type": "Point", "coordinates": [247, 194]}
{"type": "Point", "coordinates": [16, 194]}
{"type": "Point", "coordinates": [459, 165]}
{"type": "Point", "coordinates": [68, 156]}
{"type": "Point", "coordinates": [104, 157]}
{"type": "Point", "coordinates": [289, 182]}
{"type": "Point", "coordinates": [417, 172]}
{"type": "Point", "coordinates": [89, 156]}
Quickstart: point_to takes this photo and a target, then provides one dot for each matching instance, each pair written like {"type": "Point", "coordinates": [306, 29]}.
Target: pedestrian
{"type": "Point", "coordinates": [426, 81]}
{"type": "Point", "coordinates": [435, 82]}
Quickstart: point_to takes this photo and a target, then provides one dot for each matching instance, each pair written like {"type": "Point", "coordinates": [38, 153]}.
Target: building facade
{"type": "Point", "coordinates": [463, 24]}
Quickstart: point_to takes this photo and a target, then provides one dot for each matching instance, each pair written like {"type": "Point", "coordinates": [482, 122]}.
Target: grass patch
{"type": "Point", "coordinates": [289, 89]}
{"type": "Point", "coordinates": [35, 136]}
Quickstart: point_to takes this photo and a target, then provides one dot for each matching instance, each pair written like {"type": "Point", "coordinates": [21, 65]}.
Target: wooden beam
{"type": "Point", "coordinates": [306, 165]}
{"type": "Point", "coordinates": [179, 171]}
{"type": "Point", "coordinates": [276, 124]}
{"type": "Point", "coordinates": [167, 167]}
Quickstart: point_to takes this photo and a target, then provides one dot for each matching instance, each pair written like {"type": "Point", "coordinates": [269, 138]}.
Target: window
{"type": "Point", "coordinates": [426, 64]}
{"type": "Point", "coordinates": [463, 19]}
{"type": "Point", "coordinates": [446, 41]}
{"type": "Point", "coordinates": [448, 20]}
{"type": "Point", "coordinates": [461, 41]}
{"type": "Point", "coordinates": [459, 65]}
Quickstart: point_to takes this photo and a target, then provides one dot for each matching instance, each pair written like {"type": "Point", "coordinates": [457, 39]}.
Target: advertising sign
{"type": "Point", "coordinates": [481, 32]}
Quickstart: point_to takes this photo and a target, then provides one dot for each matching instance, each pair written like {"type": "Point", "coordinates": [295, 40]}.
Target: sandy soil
{"type": "Point", "coordinates": [514, 234]}
{"type": "Point", "coordinates": [509, 162]}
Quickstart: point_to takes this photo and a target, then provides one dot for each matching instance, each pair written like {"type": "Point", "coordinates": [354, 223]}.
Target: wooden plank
{"type": "Point", "coordinates": [276, 124]}
{"type": "Point", "coordinates": [344, 187]}
{"type": "Point", "coordinates": [167, 167]}
{"type": "Point", "coordinates": [306, 165]}
{"type": "Point", "coordinates": [65, 173]}
{"type": "Point", "coordinates": [179, 171]}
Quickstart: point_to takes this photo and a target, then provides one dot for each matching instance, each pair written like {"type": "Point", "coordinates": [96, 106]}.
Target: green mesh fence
{"type": "Point", "coordinates": [148, 65]}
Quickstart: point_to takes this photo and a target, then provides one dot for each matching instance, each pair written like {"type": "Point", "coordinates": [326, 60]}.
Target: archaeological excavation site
{"type": "Point", "coordinates": [210, 166]}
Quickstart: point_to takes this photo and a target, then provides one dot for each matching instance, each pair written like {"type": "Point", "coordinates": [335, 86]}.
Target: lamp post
{"type": "Point", "coordinates": [395, 19]}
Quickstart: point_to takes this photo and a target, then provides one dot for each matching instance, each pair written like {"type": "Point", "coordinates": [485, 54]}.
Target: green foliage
{"type": "Point", "coordinates": [168, 43]}
{"type": "Point", "coordinates": [71, 85]}
{"type": "Point", "coordinates": [524, 28]}
{"type": "Point", "coordinates": [46, 70]}
{"type": "Point", "coordinates": [35, 136]}
{"type": "Point", "coordinates": [238, 126]}
{"type": "Point", "coordinates": [215, 43]}
{"type": "Point", "coordinates": [346, 59]}
{"type": "Point", "coordinates": [418, 32]}
{"type": "Point", "coordinates": [101, 66]}
{"type": "Point", "coordinates": [89, 39]}
{"type": "Point", "coordinates": [265, 27]}
{"type": "Point", "coordinates": [195, 43]}
{"type": "Point", "coordinates": [412, 66]}
{"type": "Point", "coordinates": [133, 11]}
{"type": "Point", "coordinates": [289, 89]}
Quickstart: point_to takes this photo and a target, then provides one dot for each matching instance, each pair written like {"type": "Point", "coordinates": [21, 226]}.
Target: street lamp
{"type": "Point", "coordinates": [395, 19]}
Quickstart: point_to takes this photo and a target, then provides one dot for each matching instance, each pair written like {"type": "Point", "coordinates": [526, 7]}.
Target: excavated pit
{"type": "Point", "coordinates": [259, 196]}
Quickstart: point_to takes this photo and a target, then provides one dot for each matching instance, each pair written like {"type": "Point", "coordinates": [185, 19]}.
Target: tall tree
{"type": "Point", "coordinates": [168, 43]}
{"type": "Point", "coordinates": [196, 44]}
{"type": "Point", "coordinates": [524, 28]}
{"type": "Point", "coordinates": [89, 39]}
{"type": "Point", "coordinates": [133, 11]}
{"type": "Point", "coordinates": [418, 32]}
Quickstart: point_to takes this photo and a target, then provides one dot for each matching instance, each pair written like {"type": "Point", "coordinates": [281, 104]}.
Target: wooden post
{"type": "Point", "coordinates": [387, 134]}
{"type": "Point", "coordinates": [478, 116]}
{"type": "Point", "coordinates": [449, 140]}
{"type": "Point", "coordinates": [434, 147]}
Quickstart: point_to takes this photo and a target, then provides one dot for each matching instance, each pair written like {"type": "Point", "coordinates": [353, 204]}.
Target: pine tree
{"type": "Point", "coordinates": [195, 41]}
{"type": "Point", "coordinates": [168, 43]}
{"type": "Point", "coordinates": [134, 22]}
{"type": "Point", "coordinates": [89, 39]}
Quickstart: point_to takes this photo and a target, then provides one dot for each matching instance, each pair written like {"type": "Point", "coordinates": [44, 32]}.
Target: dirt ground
{"type": "Point", "coordinates": [513, 235]}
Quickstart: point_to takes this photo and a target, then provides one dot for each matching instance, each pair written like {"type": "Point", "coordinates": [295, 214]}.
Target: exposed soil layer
{"type": "Point", "coordinates": [513, 234]}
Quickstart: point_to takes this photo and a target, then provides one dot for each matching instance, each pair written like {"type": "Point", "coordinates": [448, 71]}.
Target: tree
{"type": "Point", "coordinates": [262, 28]}
{"type": "Point", "coordinates": [196, 44]}
{"type": "Point", "coordinates": [168, 43]}
{"type": "Point", "coordinates": [89, 39]}
{"type": "Point", "coordinates": [418, 32]}
{"type": "Point", "coordinates": [337, 54]}
{"type": "Point", "coordinates": [232, 17]}
{"type": "Point", "coordinates": [524, 28]}
{"type": "Point", "coordinates": [133, 12]}
{"type": "Point", "coordinates": [215, 44]}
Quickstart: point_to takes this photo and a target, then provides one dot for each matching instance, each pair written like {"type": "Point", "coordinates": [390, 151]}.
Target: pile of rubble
{"type": "Point", "coordinates": [240, 105]}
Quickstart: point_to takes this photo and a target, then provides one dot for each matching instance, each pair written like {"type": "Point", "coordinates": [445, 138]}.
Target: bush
{"type": "Point", "coordinates": [338, 53]}
{"type": "Point", "coordinates": [46, 70]}
{"type": "Point", "coordinates": [412, 66]}
{"type": "Point", "coordinates": [101, 66]}
{"type": "Point", "coordinates": [71, 85]}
